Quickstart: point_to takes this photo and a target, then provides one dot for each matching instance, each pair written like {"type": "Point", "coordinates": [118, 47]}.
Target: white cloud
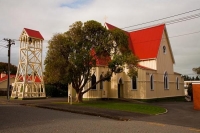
{"type": "Point", "coordinates": [54, 16]}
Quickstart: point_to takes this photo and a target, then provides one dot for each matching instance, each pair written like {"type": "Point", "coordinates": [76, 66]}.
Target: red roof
{"type": "Point", "coordinates": [33, 33]}
{"type": "Point", "coordinates": [6, 77]}
{"type": "Point", "coordinates": [109, 26]}
{"type": "Point", "coordinates": [144, 43]}
{"type": "Point", "coordinates": [29, 78]}
{"type": "Point", "coordinates": [101, 60]}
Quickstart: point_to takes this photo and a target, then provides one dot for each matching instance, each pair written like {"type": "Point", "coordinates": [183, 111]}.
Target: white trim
{"type": "Point", "coordinates": [119, 80]}
{"type": "Point", "coordinates": [198, 83]}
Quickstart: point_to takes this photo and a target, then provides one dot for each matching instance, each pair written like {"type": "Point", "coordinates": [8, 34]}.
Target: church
{"type": "Point", "coordinates": [156, 77]}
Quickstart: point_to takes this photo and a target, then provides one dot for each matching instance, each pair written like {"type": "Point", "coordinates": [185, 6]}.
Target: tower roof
{"type": "Point", "coordinates": [33, 33]}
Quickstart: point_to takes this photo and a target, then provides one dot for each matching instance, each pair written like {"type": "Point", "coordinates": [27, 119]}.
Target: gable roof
{"type": "Point", "coordinates": [33, 33]}
{"type": "Point", "coordinates": [6, 78]}
{"type": "Point", "coordinates": [109, 26]}
{"type": "Point", "coordinates": [144, 43]}
{"type": "Point", "coordinates": [37, 78]}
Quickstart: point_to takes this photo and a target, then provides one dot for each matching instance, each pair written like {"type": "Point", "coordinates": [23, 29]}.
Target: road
{"type": "Point", "coordinates": [24, 119]}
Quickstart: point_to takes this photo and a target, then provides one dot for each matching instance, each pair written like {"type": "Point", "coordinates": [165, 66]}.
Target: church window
{"type": "Point", "coordinates": [177, 83]}
{"type": "Point", "coordinates": [93, 81]}
{"type": "Point", "coordinates": [164, 49]}
{"type": "Point", "coordinates": [151, 82]}
{"type": "Point", "coordinates": [101, 83]}
{"type": "Point", "coordinates": [166, 81]}
{"type": "Point", "coordinates": [134, 83]}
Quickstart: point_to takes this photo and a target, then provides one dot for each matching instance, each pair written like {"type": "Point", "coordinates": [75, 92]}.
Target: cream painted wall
{"type": "Point", "coordinates": [165, 60]}
{"type": "Point", "coordinates": [3, 85]}
{"type": "Point", "coordinates": [149, 63]}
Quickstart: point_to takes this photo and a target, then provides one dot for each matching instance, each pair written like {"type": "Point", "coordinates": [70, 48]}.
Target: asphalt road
{"type": "Point", "coordinates": [24, 119]}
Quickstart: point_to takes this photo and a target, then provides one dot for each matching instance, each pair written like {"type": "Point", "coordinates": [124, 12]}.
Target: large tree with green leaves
{"type": "Point", "coordinates": [72, 55]}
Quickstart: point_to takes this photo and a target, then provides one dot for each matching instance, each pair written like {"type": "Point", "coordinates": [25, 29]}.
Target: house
{"type": "Point", "coordinates": [156, 77]}
{"type": "Point", "coordinates": [186, 83]}
{"type": "Point", "coordinates": [3, 83]}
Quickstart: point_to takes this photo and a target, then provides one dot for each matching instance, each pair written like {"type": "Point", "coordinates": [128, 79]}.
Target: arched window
{"type": "Point", "coordinates": [177, 83]}
{"type": "Point", "coordinates": [151, 82]}
{"type": "Point", "coordinates": [134, 83]}
{"type": "Point", "coordinates": [166, 82]}
{"type": "Point", "coordinates": [93, 81]}
{"type": "Point", "coordinates": [101, 83]}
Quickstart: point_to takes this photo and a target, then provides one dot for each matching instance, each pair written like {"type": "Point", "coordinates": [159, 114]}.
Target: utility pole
{"type": "Point", "coordinates": [10, 42]}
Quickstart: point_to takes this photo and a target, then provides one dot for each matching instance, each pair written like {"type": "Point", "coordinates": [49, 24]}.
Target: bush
{"type": "Point", "coordinates": [53, 91]}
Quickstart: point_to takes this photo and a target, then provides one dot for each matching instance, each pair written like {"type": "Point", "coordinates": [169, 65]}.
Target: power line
{"type": "Point", "coordinates": [171, 21]}
{"type": "Point", "coordinates": [169, 37]}
{"type": "Point", "coordinates": [3, 46]}
{"type": "Point", "coordinates": [175, 36]}
{"type": "Point", "coordinates": [161, 18]}
{"type": "Point", "coordinates": [183, 19]}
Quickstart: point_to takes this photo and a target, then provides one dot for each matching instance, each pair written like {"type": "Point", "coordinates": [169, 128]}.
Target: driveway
{"type": "Point", "coordinates": [179, 113]}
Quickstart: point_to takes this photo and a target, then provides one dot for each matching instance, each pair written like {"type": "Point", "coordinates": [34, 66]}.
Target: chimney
{"type": "Point", "coordinates": [3, 74]}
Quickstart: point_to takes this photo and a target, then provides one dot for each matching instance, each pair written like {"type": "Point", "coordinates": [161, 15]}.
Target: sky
{"type": "Point", "coordinates": [55, 16]}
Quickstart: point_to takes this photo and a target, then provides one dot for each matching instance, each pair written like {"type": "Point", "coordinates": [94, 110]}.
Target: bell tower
{"type": "Point", "coordinates": [29, 82]}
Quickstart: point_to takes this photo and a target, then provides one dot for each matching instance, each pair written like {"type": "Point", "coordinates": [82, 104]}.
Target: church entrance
{"type": "Point", "coordinates": [120, 89]}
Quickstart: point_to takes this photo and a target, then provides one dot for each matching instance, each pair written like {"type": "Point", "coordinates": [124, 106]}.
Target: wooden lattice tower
{"type": "Point", "coordinates": [29, 81]}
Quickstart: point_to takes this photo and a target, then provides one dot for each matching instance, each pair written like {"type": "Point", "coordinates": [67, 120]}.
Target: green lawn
{"type": "Point", "coordinates": [123, 106]}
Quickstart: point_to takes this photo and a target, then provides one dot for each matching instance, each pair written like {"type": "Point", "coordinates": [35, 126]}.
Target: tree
{"type": "Point", "coordinates": [72, 55]}
{"type": "Point", "coordinates": [196, 70]}
{"type": "Point", "coordinates": [4, 68]}
{"type": "Point", "coordinates": [197, 78]}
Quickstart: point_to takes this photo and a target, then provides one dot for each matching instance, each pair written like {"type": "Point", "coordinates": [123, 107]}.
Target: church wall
{"type": "Point", "coordinates": [98, 93]}
{"type": "Point", "coordinates": [149, 63]}
{"type": "Point", "coordinates": [159, 91]}
{"type": "Point", "coordinates": [164, 60]}
{"type": "Point", "coordinates": [140, 92]}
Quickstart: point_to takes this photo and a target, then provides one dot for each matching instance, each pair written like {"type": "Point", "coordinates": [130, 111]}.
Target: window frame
{"type": "Point", "coordinates": [177, 83]}
{"type": "Point", "coordinates": [151, 82]}
{"type": "Point", "coordinates": [135, 83]}
{"type": "Point", "coordinates": [166, 81]}
{"type": "Point", "coordinates": [92, 80]}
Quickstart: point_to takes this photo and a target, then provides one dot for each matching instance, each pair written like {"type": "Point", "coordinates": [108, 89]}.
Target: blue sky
{"type": "Point", "coordinates": [55, 16]}
{"type": "Point", "coordinates": [76, 3]}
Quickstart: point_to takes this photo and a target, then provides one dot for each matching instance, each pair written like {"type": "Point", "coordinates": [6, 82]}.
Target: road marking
{"type": "Point", "coordinates": [157, 124]}
{"type": "Point", "coordinates": [195, 129]}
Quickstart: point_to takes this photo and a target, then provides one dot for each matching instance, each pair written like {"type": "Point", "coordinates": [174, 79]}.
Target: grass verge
{"type": "Point", "coordinates": [122, 106]}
